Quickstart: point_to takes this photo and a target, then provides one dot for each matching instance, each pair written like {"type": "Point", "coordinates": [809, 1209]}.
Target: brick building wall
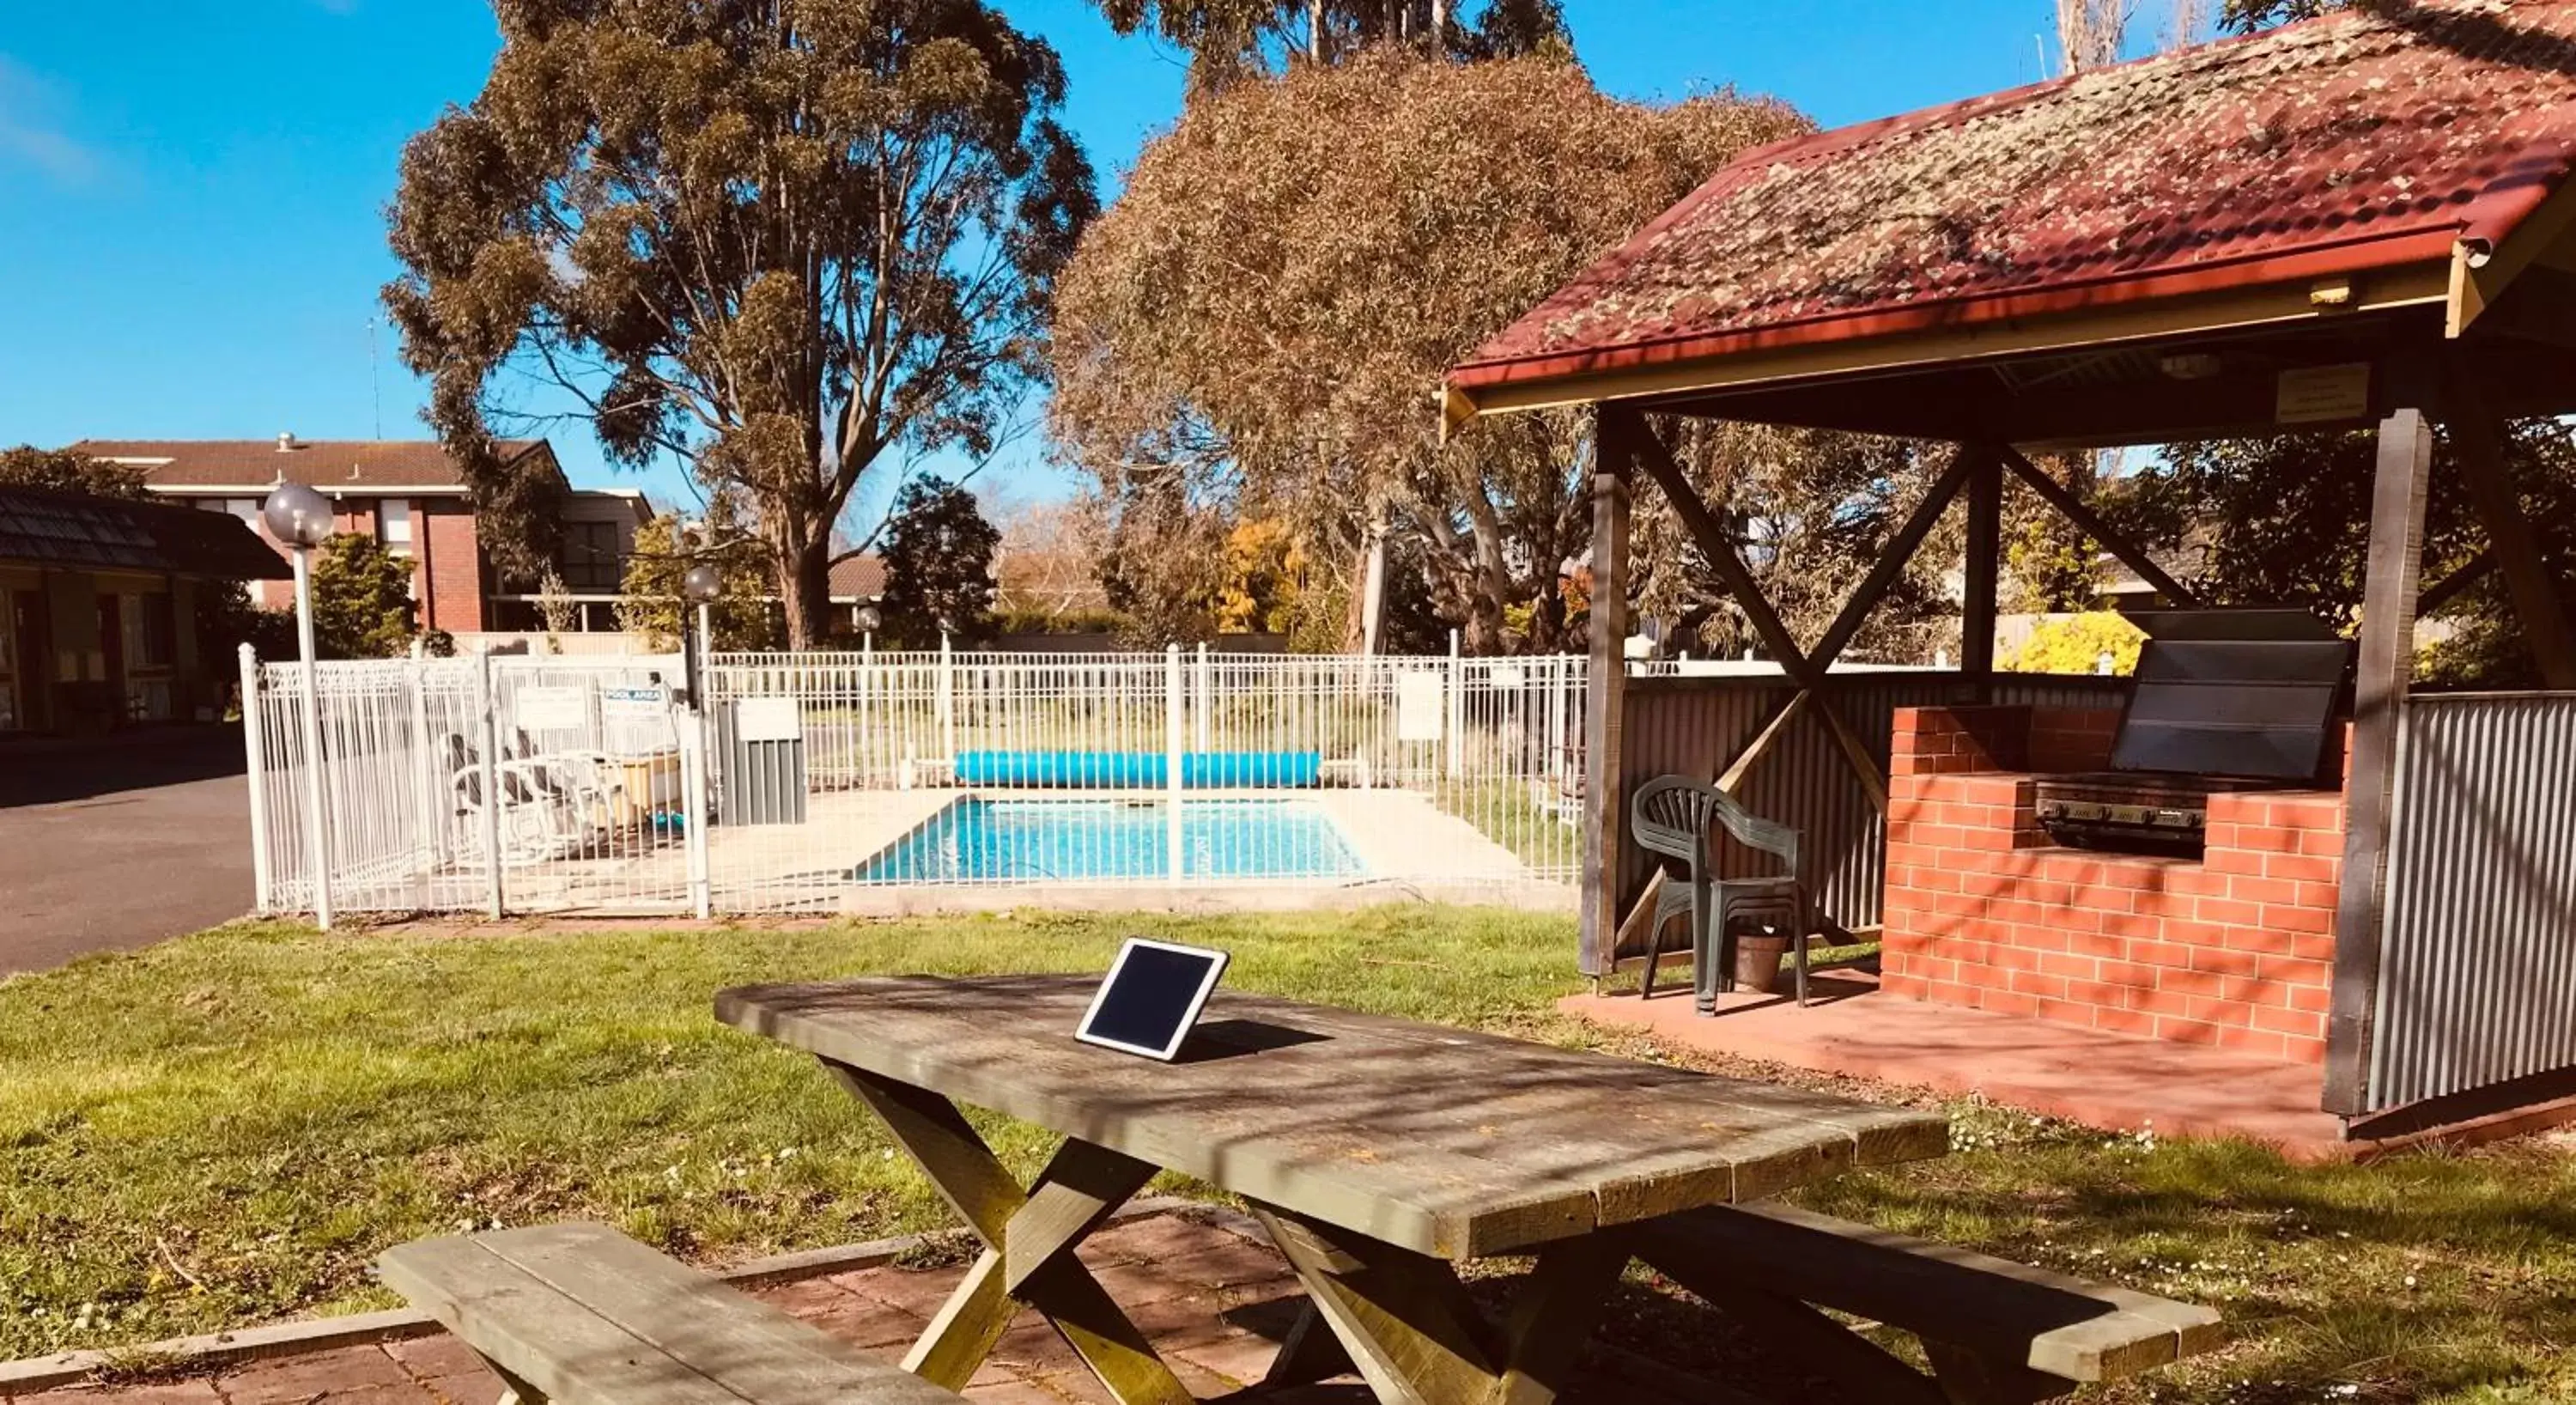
{"type": "Point", "coordinates": [451, 566]}
{"type": "Point", "coordinates": [1984, 910]}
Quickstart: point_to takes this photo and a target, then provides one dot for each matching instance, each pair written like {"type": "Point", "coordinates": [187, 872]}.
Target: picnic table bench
{"type": "Point", "coordinates": [1379, 1153]}
{"type": "Point", "coordinates": [579, 1314]}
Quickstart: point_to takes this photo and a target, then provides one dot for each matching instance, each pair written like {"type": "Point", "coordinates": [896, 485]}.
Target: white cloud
{"type": "Point", "coordinates": [32, 134]}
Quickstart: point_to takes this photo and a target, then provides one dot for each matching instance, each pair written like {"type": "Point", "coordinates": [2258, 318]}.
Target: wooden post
{"type": "Point", "coordinates": [2379, 697]}
{"type": "Point", "coordinates": [1615, 433]}
{"type": "Point", "coordinates": [2479, 436]}
{"type": "Point", "coordinates": [1984, 561]}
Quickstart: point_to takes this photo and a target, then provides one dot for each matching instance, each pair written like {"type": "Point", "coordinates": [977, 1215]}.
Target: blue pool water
{"type": "Point", "coordinates": [1071, 840]}
{"type": "Point", "coordinates": [1149, 770]}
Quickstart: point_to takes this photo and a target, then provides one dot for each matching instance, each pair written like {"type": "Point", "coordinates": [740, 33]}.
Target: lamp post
{"type": "Point", "coordinates": [867, 619]}
{"type": "Point", "coordinates": [301, 519]}
{"type": "Point", "coordinates": [699, 586]}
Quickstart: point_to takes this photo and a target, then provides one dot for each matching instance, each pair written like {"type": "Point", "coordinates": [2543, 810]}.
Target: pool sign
{"type": "Point", "coordinates": [551, 709]}
{"type": "Point", "coordinates": [1421, 706]}
{"type": "Point", "coordinates": [635, 701]}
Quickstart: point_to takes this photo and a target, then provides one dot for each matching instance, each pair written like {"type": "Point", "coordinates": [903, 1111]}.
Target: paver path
{"type": "Point", "coordinates": [1214, 1303]}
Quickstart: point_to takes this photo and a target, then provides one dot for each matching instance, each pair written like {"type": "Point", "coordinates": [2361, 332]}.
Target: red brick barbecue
{"type": "Point", "coordinates": [1984, 909]}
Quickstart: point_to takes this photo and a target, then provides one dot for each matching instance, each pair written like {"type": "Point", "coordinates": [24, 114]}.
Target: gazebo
{"type": "Point", "coordinates": [2363, 221]}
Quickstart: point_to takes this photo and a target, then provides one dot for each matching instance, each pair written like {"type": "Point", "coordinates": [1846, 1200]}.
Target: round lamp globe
{"type": "Point", "coordinates": [297, 515]}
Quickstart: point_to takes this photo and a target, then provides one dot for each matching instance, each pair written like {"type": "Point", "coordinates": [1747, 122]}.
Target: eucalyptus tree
{"type": "Point", "coordinates": [1228, 40]}
{"type": "Point", "coordinates": [788, 242]}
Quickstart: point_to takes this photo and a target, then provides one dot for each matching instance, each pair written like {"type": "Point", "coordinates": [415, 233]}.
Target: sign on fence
{"type": "Point", "coordinates": [1421, 707]}
{"type": "Point", "coordinates": [634, 702]}
{"type": "Point", "coordinates": [551, 709]}
{"type": "Point", "coordinates": [768, 720]}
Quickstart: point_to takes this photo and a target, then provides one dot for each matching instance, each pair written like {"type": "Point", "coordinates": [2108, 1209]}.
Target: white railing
{"type": "Point", "coordinates": [581, 760]}
{"type": "Point", "coordinates": [829, 782]}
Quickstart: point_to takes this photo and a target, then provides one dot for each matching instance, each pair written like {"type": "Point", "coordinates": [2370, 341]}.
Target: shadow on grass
{"type": "Point", "coordinates": [2422, 1277]}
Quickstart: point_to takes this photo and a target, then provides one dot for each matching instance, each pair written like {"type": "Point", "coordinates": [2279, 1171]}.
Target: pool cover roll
{"type": "Point", "coordinates": [1140, 770]}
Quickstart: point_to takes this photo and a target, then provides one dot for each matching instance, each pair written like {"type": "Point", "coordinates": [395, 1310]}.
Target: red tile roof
{"type": "Point", "coordinates": [251, 464]}
{"type": "Point", "coordinates": [859, 578]}
{"type": "Point", "coordinates": [2363, 140]}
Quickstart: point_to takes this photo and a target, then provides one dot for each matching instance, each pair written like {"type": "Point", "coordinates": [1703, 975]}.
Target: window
{"type": "Point", "coordinates": [393, 525]}
{"type": "Point", "coordinates": [146, 629]}
{"type": "Point", "coordinates": [149, 700]}
{"type": "Point", "coordinates": [158, 638]}
{"type": "Point", "coordinates": [590, 560]}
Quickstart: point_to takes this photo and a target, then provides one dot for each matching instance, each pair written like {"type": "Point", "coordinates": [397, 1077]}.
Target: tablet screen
{"type": "Point", "coordinates": [1152, 997]}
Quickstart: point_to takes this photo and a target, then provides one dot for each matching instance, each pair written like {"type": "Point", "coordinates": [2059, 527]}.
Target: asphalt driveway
{"type": "Point", "coordinates": [114, 844]}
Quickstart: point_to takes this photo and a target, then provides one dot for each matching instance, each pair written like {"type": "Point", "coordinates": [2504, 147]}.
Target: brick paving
{"type": "Point", "coordinates": [1214, 1304]}
{"type": "Point", "coordinates": [2117, 1081]}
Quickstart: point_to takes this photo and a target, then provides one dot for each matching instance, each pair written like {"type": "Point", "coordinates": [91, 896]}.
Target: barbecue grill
{"type": "Point", "coordinates": [2225, 701]}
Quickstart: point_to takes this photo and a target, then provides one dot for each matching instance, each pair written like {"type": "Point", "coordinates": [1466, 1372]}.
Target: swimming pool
{"type": "Point", "coordinates": [1076, 840]}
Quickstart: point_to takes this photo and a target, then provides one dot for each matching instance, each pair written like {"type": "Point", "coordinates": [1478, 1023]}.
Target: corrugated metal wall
{"type": "Point", "coordinates": [2478, 957]}
{"type": "Point", "coordinates": [1695, 726]}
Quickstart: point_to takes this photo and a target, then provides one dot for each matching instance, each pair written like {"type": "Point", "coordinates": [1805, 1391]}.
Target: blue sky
{"type": "Point", "coordinates": [191, 193]}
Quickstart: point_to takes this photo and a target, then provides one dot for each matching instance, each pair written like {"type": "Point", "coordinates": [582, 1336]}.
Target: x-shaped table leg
{"type": "Point", "coordinates": [1416, 1337]}
{"type": "Point", "coordinates": [1029, 1238]}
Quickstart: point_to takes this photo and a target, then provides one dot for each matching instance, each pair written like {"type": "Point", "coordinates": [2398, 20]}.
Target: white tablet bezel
{"type": "Point", "coordinates": [1189, 1016]}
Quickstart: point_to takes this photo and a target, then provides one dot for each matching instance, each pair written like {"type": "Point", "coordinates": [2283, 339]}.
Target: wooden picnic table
{"type": "Point", "coordinates": [1376, 1152]}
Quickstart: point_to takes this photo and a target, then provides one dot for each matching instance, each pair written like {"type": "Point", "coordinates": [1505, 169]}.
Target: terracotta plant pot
{"type": "Point", "coordinates": [1757, 962]}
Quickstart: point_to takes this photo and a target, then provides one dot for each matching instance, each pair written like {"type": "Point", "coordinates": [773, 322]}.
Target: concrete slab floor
{"type": "Point", "coordinates": [2114, 1081]}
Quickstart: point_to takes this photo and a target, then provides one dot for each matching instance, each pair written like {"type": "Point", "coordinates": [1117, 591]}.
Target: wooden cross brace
{"type": "Point", "coordinates": [1405, 1321]}
{"type": "Point", "coordinates": [1029, 1237]}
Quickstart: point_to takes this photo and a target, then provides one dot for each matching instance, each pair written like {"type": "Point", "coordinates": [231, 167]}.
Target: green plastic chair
{"type": "Point", "coordinates": [1685, 823]}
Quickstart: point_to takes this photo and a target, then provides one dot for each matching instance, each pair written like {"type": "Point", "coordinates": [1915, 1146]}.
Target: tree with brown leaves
{"type": "Point", "coordinates": [787, 243]}
{"type": "Point", "coordinates": [1257, 326]}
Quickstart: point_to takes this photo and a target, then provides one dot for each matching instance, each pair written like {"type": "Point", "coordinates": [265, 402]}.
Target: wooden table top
{"type": "Point", "coordinates": [1447, 1141]}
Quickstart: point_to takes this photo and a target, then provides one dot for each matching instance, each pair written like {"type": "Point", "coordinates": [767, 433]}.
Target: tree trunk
{"type": "Point", "coordinates": [805, 588]}
{"type": "Point", "coordinates": [1371, 596]}
{"type": "Point", "coordinates": [1489, 576]}
{"type": "Point", "coordinates": [1547, 618]}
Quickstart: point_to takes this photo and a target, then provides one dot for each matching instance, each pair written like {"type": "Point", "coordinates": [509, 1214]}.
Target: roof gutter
{"type": "Point", "coordinates": [2382, 275]}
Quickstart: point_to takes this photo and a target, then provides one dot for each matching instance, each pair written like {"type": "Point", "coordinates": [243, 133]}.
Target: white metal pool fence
{"type": "Point", "coordinates": [867, 781]}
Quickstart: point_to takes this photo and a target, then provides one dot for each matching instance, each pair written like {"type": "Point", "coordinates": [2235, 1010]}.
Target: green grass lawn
{"type": "Point", "coordinates": [223, 1129]}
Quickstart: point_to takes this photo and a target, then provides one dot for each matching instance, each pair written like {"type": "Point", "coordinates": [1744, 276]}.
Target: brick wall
{"type": "Point", "coordinates": [451, 566]}
{"type": "Point", "coordinates": [1984, 911]}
